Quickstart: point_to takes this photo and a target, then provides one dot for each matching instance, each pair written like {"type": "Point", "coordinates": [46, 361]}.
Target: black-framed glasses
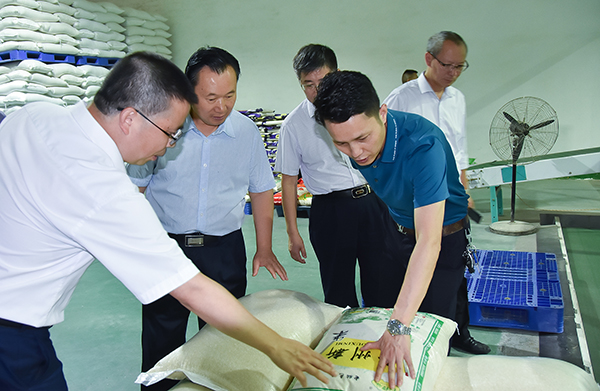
{"type": "Point", "coordinates": [173, 136]}
{"type": "Point", "coordinates": [460, 68]}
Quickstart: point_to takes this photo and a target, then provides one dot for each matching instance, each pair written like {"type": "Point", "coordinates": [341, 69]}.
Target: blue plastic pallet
{"type": "Point", "coordinates": [515, 289]}
{"type": "Point", "coordinates": [101, 61]}
{"type": "Point", "coordinates": [19, 55]}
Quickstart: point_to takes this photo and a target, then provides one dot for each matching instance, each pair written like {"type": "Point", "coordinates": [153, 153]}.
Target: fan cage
{"type": "Point", "coordinates": [529, 110]}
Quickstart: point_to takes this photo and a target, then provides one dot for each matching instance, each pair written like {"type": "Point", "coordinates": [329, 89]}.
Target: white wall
{"type": "Point", "coordinates": [547, 49]}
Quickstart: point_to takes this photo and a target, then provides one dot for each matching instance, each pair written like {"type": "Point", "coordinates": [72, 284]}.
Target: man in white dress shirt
{"type": "Point", "coordinates": [347, 220]}
{"type": "Point", "coordinates": [432, 96]}
{"type": "Point", "coordinates": [67, 200]}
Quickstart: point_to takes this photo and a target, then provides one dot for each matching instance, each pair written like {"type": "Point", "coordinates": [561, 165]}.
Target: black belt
{"type": "Point", "coordinates": [197, 239]}
{"type": "Point", "coordinates": [446, 229]}
{"type": "Point", "coordinates": [16, 325]}
{"type": "Point", "coordinates": [355, 192]}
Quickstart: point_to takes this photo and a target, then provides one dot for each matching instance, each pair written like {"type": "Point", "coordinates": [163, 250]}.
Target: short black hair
{"type": "Point", "coordinates": [408, 75]}
{"type": "Point", "coordinates": [343, 94]}
{"type": "Point", "coordinates": [146, 81]}
{"type": "Point", "coordinates": [312, 57]}
{"type": "Point", "coordinates": [215, 58]}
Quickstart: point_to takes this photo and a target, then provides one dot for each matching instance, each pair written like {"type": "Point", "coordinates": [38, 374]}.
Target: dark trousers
{"type": "Point", "coordinates": [462, 307]}
{"type": "Point", "coordinates": [28, 361]}
{"type": "Point", "coordinates": [441, 297]}
{"type": "Point", "coordinates": [344, 229]}
{"type": "Point", "coordinates": [462, 311]}
{"type": "Point", "coordinates": [164, 321]}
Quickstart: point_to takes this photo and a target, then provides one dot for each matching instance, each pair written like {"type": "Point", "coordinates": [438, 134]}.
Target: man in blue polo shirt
{"type": "Point", "coordinates": [408, 162]}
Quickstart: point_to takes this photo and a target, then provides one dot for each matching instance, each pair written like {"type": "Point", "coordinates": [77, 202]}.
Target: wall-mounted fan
{"type": "Point", "coordinates": [525, 127]}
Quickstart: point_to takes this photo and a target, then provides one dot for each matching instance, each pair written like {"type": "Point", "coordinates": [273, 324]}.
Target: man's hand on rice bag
{"type": "Point", "coordinates": [220, 309]}
{"type": "Point", "coordinates": [395, 350]}
{"type": "Point", "coordinates": [296, 358]}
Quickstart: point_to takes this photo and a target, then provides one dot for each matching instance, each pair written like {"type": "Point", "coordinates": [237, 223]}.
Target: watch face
{"type": "Point", "coordinates": [395, 327]}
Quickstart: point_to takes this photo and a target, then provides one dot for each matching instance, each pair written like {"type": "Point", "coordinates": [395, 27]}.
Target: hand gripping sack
{"type": "Point", "coordinates": [356, 369]}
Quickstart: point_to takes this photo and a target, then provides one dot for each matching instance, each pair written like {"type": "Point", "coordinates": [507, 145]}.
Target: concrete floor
{"type": "Point", "coordinates": [99, 341]}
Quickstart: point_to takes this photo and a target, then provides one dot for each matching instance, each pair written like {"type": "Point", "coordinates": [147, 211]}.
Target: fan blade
{"type": "Point", "coordinates": [541, 124]}
{"type": "Point", "coordinates": [510, 118]}
{"type": "Point", "coordinates": [517, 148]}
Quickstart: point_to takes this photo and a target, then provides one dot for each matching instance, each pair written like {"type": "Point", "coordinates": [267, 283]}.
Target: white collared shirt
{"type": "Point", "coordinates": [306, 146]}
{"type": "Point", "coordinates": [66, 199]}
{"type": "Point", "coordinates": [448, 113]}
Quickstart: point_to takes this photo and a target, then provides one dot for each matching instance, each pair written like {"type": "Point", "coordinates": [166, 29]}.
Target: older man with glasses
{"type": "Point", "coordinates": [173, 136]}
{"type": "Point", "coordinates": [432, 96]}
{"type": "Point", "coordinates": [66, 200]}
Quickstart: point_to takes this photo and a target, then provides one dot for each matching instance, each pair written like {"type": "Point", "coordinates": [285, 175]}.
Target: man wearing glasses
{"type": "Point", "coordinates": [198, 190]}
{"type": "Point", "coordinates": [173, 136]}
{"type": "Point", "coordinates": [348, 222]}
{"type": "Point", "coordinates": [432, 96]}
{"type": "Point", "coordinates": [66, 200]}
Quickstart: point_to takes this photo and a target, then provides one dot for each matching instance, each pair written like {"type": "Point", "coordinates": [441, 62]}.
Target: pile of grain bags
{"type": "Point", "coordinates": [60, 83]}
{"type": "Point", "coordinates": [28, 81]}
{"type": "Point", "coordinates": [146, 32]}
{"type": "Point", "coordinates": [38, 26]}
{"type": "Point", "coordinates": [92, 31]}
{"type": "Point", "coordinates": [222, 363]}
{"type": "Point", "coordinates": [100, 29]}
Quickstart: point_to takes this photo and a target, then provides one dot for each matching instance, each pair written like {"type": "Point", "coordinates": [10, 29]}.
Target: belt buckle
{"type": "Point", "coordinates": [359, 192]}
{"type": "Point", "coordinates": [194, 240]}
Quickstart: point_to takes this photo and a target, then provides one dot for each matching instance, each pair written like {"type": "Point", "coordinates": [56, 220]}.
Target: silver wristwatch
{"type": "Point", "coordinates": [395, 327]}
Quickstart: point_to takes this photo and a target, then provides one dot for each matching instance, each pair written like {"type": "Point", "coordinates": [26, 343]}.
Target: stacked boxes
{"type": "Point", "coordinates": [515, 289]}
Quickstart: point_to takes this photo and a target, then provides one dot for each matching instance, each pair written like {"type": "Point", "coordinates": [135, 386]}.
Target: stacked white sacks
{"type": "Point", "coordinates": [146, 32]}
{"type": "Point", "coordinates": [42, 26]}
{"type": "Point", "coordinates": [100, 28]}
{"type": "Point", "coordinates": [61, 50]}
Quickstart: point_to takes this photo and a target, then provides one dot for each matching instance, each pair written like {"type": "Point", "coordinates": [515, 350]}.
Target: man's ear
{"type": "Point", "coordinates": [428, 58]}
{"type": "Point", "coordinates": [383, 113]}
{"type": "Point", "coordinates": [126, 119]}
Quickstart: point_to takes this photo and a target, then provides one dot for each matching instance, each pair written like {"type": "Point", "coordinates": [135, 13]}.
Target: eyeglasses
{"type": "Point", "coordinates": [309, 87]}
{"type": "Point", "coordinates": [460, 68]}
{"type": "Point", "coordinates": [174, 137]}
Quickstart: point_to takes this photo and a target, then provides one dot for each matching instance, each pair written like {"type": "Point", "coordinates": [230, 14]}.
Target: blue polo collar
{"type": "Point", "coordinates": [392, 135]}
